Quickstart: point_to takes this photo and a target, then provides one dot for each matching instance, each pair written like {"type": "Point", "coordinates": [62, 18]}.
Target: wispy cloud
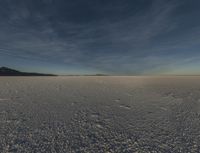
{"type": "Point", "coordinates": [113, 37]}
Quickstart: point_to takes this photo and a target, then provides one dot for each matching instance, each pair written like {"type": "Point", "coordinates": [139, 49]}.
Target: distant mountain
{"type": "Point", "coordinates": [5, 71]}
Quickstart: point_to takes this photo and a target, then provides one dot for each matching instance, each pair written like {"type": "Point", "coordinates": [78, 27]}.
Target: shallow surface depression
{"type": "Point", "coordinates": [100, 114]}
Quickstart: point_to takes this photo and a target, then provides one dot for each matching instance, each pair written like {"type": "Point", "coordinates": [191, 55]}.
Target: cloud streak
{"type": "Point", "coordinates": [115, 37]}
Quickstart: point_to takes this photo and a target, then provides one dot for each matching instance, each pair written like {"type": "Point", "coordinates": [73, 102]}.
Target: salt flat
{"type": "Point", "coordinates": [100, 114]}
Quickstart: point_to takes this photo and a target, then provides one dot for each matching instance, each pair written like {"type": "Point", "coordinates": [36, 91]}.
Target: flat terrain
{"type": "Point", "coordinates": [100, 114]}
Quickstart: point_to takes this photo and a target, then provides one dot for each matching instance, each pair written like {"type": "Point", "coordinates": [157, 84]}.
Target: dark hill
{"type": "Point", "coordinates": [5, 71]}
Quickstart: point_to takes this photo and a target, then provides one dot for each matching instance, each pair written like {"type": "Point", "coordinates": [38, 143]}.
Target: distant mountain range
{"type": "Point", "coordinates": [5, 71]}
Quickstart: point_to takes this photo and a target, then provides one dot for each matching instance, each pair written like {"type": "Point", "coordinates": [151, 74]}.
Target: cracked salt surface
{"type": "Point", "coordinates": [99, 114]}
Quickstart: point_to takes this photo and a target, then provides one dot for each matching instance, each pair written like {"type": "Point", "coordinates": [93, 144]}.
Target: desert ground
{"type": "Point", "coordinates": [100, 114]}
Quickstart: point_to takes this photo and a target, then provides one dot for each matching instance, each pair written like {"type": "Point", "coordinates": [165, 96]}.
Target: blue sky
{"type": "Point", "coordinates": [119, 37]}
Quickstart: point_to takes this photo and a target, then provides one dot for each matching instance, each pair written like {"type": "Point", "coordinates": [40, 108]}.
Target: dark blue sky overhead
{"type": "Point", "coordinates": [120, 37]}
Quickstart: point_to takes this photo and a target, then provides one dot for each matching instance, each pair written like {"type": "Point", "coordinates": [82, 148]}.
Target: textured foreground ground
{"type": "Point", "coordinates": [99, 114]}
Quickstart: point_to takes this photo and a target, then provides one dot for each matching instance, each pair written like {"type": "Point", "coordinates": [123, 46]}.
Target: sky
{"type": "Point", "coordinates": [114, 37]}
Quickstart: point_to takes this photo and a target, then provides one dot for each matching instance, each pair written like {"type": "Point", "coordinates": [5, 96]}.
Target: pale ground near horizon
{"type": "Point", "coordinates": [100, 114]}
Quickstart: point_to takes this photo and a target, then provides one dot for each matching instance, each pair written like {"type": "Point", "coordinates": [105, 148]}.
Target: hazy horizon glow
{"type": "Point", "coordinates": [131, 37]}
